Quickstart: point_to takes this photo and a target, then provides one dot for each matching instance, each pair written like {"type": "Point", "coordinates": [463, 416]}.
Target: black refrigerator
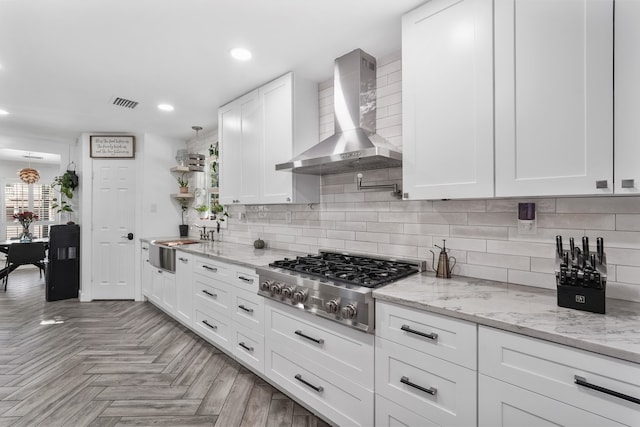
{"type": "Point", "coordinates": [63, 269]}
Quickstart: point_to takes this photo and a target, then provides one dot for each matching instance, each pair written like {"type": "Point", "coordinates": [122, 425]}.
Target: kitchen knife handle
{"type": "Point", "coordinates": [559, 245]}
{"type": "Point", "coordinates": [584, 383]}
{"type": "Point", "coordinates": [572, 247]}
{"type": "Point", "coordinates": [585, 246]}
{"type": "Point", "coordinates": [600, 249]}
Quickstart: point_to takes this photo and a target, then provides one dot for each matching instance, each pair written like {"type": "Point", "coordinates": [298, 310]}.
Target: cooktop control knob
{"type": "Point", "coordinates": [332, 306]}
{"type": "Point", "coordinates": [349, 311]}
{"type": "Point", "coordinates": [276, 288]}
{"type": "Point", "coordinates": [288, 291]}
{"type": "Point", "coordinates": [300, 296]}
{"type": "Point", "coordinates": [266, 285]}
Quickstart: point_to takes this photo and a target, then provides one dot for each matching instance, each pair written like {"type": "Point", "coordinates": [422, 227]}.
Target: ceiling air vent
{"type": "Point", "coordinates": [126, 103]}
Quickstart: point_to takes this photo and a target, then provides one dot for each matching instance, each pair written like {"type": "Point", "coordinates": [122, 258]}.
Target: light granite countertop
{"type": "Point", "coordinates": [525, 310]}
{"type": "Point", "coordinates": [521, 309]}
{"type": "Point", "coordinates": [235, 253]}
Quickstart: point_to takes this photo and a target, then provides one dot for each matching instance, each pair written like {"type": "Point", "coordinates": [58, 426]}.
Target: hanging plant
{"type": "Point", "coordinates": [64, 183]}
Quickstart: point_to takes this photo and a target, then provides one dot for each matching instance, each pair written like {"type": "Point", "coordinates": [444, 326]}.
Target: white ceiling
{"type": "Point", "coordinates": [63, 61]}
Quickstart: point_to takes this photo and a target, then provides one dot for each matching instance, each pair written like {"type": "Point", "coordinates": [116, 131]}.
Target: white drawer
{"type": "Point", "coordinates": [450, 339]}
{"type": "Point", "coordinates": [248, 310]}
{"type": "Point", "coordinates": [249, 348]}
{"type": "Point", "coordinates": [342, 402]}
{"type": "Point", "coordinates": [551, 369]}
{"type": "Point", "coordinates": [502, 404]}
{"type": "Point", "coordinates": [211, 296]}
{"type": "Point", "coordinates": [442, 392]}
{"type": "Point", "coordinates": [390, 414]}
{"type": "Point", "coordinates": [215, 328]}
{"type": "Point", "coordinates": [349, 352]}
{"type": "Point", "coordinates": [212, 269]}
{"type": "Point", "coordinates": [245, 278]}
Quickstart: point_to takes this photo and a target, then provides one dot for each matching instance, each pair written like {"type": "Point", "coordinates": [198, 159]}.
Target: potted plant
{"type": "Point", "coordinates": [183, 183]}
{"type": "Point", "coordinates": [184, 228]}
{"type": "Point", "coordinates": [64, 183]}
{"type": "Point", "coordinates": [202, 210]}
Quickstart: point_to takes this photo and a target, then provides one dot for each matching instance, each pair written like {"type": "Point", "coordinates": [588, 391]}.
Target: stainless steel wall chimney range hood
{"type": "Point", "coordinates": [354, 145]}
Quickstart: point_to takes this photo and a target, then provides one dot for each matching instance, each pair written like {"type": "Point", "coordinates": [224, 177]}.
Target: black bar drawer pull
{"type": "Point", "coordinates": [318, 388]}
{"type": "Point", "coordinates": [185, 260]}
{"type": "Point", "coordinates": [209, 293]}
{"type": "Point", "coordinates": [316, 340]}
{"type": "Point", "coordinates": [248, 310]}
{"type": "Point", "coordinates": [431, 390]}
{"type": "Point", "coordinates": [246, 347]}
{"type": "Point", "coordinates": [213, 269]}
{"type": "Point", "coordinates": [431, 336]}
{"type": "Point", "coordinates": [245, 279]}
{"type": "Point", "coordinates": [583, 382]}
{"type": "Point", "coordinates": [214, 327]}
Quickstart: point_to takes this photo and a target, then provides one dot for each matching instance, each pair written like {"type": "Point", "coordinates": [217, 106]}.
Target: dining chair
{"type": "Point", "coordinates": [24, 254]}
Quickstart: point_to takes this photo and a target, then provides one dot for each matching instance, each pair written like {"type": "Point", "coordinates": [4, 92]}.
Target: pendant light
{"type": "Point", "coordinates": [29, 175]}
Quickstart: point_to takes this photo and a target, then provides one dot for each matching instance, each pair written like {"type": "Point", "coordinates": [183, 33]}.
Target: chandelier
{"type": "Point", "coordinates": [29, 175]}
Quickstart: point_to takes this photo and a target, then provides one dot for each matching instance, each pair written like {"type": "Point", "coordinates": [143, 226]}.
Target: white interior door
{"type": "Point", "coordinates": [113, 218]}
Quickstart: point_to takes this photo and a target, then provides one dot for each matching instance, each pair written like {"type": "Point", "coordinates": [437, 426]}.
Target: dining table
{"type": "Point", "coordinates": [4, 248]}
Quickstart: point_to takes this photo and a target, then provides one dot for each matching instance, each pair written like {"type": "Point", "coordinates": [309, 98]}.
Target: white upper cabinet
{"type": "Point", "coordinates": [447, 91]}
{"type": "Point", "coordinates": [239, 133]}
{"type": "Point", "coordinates": [627, 99]}
{"type": "Point", "coordinates": [554, 97]}
{"type": "Point", "coordinates": [261, 129]}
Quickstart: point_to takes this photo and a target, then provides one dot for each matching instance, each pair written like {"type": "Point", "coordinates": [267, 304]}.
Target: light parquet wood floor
{"type": "Point", "coordinates": [121, 363]}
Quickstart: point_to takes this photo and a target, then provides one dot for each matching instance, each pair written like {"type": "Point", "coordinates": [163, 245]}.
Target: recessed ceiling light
{"type": "Point", "coordinates": [3, 112]}
{"type": "Point", "coordinates": [165, 107]}
{"type": "Point", "coordinates": [240, 54]}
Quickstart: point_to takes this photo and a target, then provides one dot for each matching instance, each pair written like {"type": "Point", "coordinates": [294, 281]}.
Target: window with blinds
{"type": "Point", "coordinates": [19, 197]}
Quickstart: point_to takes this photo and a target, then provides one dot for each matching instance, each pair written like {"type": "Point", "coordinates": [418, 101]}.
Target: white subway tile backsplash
{"type": "Point", "coordinates": [419, 206]}
{"type": "Point", "coordinates": [540, 280]}
{"type": "Point", "coordinates": [459, 206]}
{"type": "Point", "coordinates": [479, 232]}
{"type": "Point", "coordinates": [385, 227]}
{"type": "Point", "coordinates": [630, 204]}
{"type": "Point", "coordinates": [626, 274]}
{"type": "Point", "coordinates": [547, 235]}
{"type": "Point", "coordinates": [398, 250]}
{"type": "Point", "coordinates": [351, 226]}
{"type": "Point", "coordinates": [618, 239]}
{"type": "Point", "coordinates": [349, 197]}
{"type": "Point", "coordinates": [314, 232]}
{"type": "Point", "coordinates": [362, 216]}
{"type": "Point", "coordinates": [521, 248]}
{"type": "Point", "coordinates": [630, 257]}
{"type": "Point", "coordinates": [628, 222]}
{"type": "Point", "coordinates": [332, 216]}
{"type": "Point", "coordinates": [432, 229]}
{"type": "Point", "coordinates": [481, 271]}
{"type": "Point", "coordinates": [503, 261]}
{"type": "Point", "coordinates": [476, 245]}
{"type": "Point", "coordinates": [361, 247]}
{"type": "Point", "coordinates": [543, 265]}
{"type": "Point", "coordinates": [442, 218]}
{"type": "Point", "coordinates": [401, 217]}
{"type": "Point", "coordinates": [341, 234]}
{"type": "Point", "coordinates": [330, 243]}
{"type": "Point", "coordinates": [623, 291]}
{"type": "Point", "coordinates": [493, 218]}
{"type": "Point", "coordinates": [411, 239]}
{"type": "Point", "coordinates": [372, 206]}
{"type": "Point", "coordinates": [586, 221]}
{"type": "Point", "coordinates": [363, 236]}
{"type": "Point", "coordinates": [511, 205]}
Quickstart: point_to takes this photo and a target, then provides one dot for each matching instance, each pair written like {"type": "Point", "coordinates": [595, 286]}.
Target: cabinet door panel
{"type": "Point", "coordinates": [230, 154]}
{"type": "Point", "coordinates": [627, 100]}
{"type": "Point", "coordinates": [250, 127]}
{"type": "Point", "coordinates": [447, 92]}
{"type": "Point", "coordinates": [277, 107]}
{"type": "Point", "coordinates": [554, 97]}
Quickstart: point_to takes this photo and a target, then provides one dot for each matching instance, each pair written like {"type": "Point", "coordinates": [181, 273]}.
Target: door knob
{"type": "Point", "coordinates": [129, 236]}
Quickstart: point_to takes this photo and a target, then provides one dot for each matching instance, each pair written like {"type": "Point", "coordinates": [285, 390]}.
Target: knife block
{"type": "Point", "coordinates": [581, 292]}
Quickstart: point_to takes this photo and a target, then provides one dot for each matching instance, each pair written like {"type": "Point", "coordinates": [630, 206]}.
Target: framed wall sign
{"type": "Point", "coordinates": [112, 146]}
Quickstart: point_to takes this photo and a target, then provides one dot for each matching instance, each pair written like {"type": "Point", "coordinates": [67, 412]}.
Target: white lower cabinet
{"type": "Point", "coordinates": [325, 365]}
{"type": "Point", "coordinates": [425, 368]}
{"type": "Point", "coordinates": [527, 381]}
{"type": "Point", "coordinates": [184, 288]}
{"type": "Point", "coordinates": [145, 270]}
